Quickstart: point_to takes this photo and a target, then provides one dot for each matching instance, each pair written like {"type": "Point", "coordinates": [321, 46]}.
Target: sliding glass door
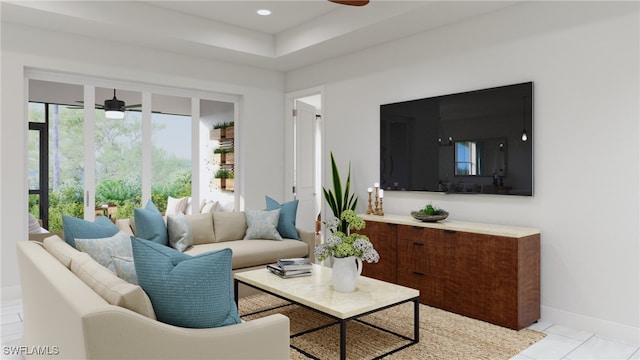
{"type": "Point", "coordinates": [84, 164]}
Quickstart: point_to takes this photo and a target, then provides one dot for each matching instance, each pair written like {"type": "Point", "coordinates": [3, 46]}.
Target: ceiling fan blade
{"type": "Point", "coordinates": [81, 106]}
{"type": "Point", "coordinates": [133, 106]}
{"type": "Point", "coordinates": [351, 3]}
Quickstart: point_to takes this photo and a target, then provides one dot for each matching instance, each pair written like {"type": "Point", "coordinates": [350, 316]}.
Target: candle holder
{"type": "Point", "coordinates": [380, 212]}
{"type": "Point", "coordinates": [369, 207]}
{"type": "Point", "coordinates": [376, 209]}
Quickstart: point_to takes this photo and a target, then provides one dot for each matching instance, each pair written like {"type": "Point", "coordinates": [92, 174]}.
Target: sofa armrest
{"type": "Point", "coordinates": [120, 334]}
{"type": "Point", "coordinates": [309, 237]}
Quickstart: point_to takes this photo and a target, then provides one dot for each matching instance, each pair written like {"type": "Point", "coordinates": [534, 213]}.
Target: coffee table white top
{"type": "Point", "coordinates": [317, 292]}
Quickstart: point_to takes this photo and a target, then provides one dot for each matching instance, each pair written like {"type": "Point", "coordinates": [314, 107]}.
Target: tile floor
{"type": "Point", "coordinates": [560, 343]}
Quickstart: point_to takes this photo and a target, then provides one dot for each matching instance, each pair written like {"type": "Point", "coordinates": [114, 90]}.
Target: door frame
{"type": "Point", "coordinates": [289, 149]}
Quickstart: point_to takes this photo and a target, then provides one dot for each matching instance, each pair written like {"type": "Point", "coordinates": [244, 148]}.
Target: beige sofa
{"type": "Point", "coordinates": [67, 316]}
{"type": "Point", "coordinates": [223, 232]}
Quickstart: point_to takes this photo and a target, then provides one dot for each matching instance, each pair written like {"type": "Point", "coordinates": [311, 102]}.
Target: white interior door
{"type": "Point", "coordinates": [305, 176]}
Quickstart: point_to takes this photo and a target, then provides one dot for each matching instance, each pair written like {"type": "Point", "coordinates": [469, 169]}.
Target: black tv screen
{"type": "Point", "coordinates": [475, 142]}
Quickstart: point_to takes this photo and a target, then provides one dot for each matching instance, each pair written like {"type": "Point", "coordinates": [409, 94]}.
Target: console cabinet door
{"type": "Point", "coordinates": [487, 280]}
{"type": "Point", "coordinates": [383, 237]}
{"type": "Point", "coordinates": [424, 260]}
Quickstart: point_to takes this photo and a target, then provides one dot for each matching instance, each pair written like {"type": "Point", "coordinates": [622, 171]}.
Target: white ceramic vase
{"type": "Point", "coordinates": [345, 273]}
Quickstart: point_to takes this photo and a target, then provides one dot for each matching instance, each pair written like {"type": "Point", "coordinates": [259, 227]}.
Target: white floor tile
{"type": "Point", "coordinates": [599, 348]}
{"type": "Point", "coordinates": [568, 332]}
{"type": "Point", "coordinates": [541, 325]}
{"type": "Point", "coordinates": [9, 318]}
{"type": "Point", "coordinates": [521, 357]}
{"type": "Point", "coordinates": [552, 347]}
{"type": "Point", "coordinates": [11, 332]}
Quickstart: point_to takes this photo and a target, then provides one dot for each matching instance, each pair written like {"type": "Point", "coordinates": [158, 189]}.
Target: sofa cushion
{"type": "Point", "coordinates": [201, 227]}
{"type": "Point", "coordinates": [179, 232]}
{"type": "Point", "coordinates": [150, 224]}
{"type": "Point", "coordinates": [248, 253]}
{"type": "Point", "coordinates": [102, 250]}
{"type": "Point", "coordinates": [229, 225]}
{"type": "Point", "coordinates": [287, 219]}
{"type": "Point", "coordinates": [187, 291]}
{"type": "Point", "coordinates": [60, 250]}
{"type": "Point", "coordinates": [176, 206]}
{"type": "Point", "coordinates": [110, 287]}
{"type": "Point", "coordinates": [80, 228]}
{"type": "Point", "coordinates": [262, 224]}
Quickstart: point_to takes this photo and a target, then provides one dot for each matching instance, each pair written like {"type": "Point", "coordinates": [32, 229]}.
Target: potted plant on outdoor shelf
{"type": "Point", "coordinates": [223, 180]}
{"type": "Point", "coordinates": [222, 130]}
{"type": "Point", "coordinates": [223, 156]}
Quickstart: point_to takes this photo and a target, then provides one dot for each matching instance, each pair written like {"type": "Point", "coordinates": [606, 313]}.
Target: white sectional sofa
{"type": "Point", "coordinates": [66, 318]}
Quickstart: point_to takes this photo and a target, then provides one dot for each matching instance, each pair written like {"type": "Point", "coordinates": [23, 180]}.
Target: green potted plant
{"type": "Point", "coordinates": [338, 200]}
{"type": "Point", "coordinates": [224, 179]}
{"type": "Point", "coordinates": [222, 130]}
{"type": "Point", "coordinates": [223, 156]}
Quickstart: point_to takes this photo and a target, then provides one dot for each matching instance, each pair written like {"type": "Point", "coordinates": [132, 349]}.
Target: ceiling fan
{"type": "Point", "coordinates": [351, 3]}
{"type": "Point", "coordinates": [113, 108]}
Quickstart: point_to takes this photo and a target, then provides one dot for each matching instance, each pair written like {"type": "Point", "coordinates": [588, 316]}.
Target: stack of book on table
{"type": "Point", "coordinates": [292, 267]}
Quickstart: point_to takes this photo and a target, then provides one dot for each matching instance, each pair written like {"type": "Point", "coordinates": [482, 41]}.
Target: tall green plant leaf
{"type": "Point", "coordinates": [338, 200]}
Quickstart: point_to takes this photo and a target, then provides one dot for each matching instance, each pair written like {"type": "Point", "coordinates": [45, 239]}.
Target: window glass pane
{"type": "Point", "coordinates": [118, 156]}
{"type": "Point", "coordinates": [36, 112]}
{"type": "Point", "coordinates": [66, 163]}
{"type": "Point", "coordinates": [171, 152]}
{"type": "Point", "coordinates": [34, 160]}
{"type": "Point", "coordinates": [34, 205]}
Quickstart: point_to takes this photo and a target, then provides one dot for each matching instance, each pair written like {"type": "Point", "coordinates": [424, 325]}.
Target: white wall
{"type": "Point", "coordinates": [583, 59]}
{"type": "Point", "coordinates": [260, 125]}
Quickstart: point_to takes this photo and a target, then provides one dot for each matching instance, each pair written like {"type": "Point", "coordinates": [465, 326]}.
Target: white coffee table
{"type": "Point", "coordinates": [316, 293]}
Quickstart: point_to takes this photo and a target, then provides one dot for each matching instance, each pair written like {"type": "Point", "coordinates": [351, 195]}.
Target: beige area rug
{"type": "Point", "coordinates": [443, 335]}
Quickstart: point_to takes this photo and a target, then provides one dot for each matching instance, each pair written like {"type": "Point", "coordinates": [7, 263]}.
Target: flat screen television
{"type": "Point", "coordinates": [475, 142]}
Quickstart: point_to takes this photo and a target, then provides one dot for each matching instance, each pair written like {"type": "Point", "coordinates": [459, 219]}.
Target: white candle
{"type": "Point", "coordinates": [369, 190]}
{"type": "Point", "coordinates": [376, 185]}
{"type": "Point", "coordinates": [381, 193]}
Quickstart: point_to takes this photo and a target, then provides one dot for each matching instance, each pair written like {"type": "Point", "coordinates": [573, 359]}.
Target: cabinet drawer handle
{"type": "Point", "coordinates": [418, 243]}
{"type": "Point", "coordinates": [449, 231]}
{"type": "Point", "coordinates": [417, 227]}
{"type": "Point", "coordinates": [418, 273]}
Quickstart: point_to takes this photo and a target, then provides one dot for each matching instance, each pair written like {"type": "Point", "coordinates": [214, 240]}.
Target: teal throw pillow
{"type": "Point", "coordinates": [103, 250]}
{"type": "Point", "coordinates": [262, 224]}
{"type": "Point", "coordinates": [187, 291]}
{"type": "Point", "coordinates": [287, 220]}
{"type": "Point", "coordinates": [150, 224]}
{"type": "Point", "coordinates": [179, 231]}
{"type": "Point", "coordinates": [82, 229]}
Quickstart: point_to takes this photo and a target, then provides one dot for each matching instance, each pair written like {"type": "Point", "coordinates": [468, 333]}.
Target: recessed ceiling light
{"type": "Point", "coordinates": [264, 12]}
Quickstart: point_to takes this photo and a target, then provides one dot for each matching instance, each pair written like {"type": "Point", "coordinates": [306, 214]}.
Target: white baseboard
{"type": "Point", "coordinates": [603, 328]}
{"type": "Point", "coordinates": [11, 293]}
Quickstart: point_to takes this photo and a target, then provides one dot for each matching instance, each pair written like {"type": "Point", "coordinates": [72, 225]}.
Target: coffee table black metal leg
{"type": "Point", "coordinates": [343, 339]}
{"type": "Point", "coordinates": [416, 320]}
{"type": "Point", "coordinates": [235, 291]}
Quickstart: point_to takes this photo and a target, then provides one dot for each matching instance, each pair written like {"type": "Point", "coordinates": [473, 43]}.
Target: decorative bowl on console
{"type": "Point", "coordinates": [430, 213]}
{"type": "Point", "coordinates": [419, 215]}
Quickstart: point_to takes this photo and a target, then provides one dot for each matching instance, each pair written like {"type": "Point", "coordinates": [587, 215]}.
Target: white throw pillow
{"type": "Point", "coordinates": [175, 206]}
{"type": "Point", "coordinates": [210, 206]}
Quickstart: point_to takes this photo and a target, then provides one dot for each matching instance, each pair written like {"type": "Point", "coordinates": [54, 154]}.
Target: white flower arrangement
{"type": "Point", "coordinates": [340, 245]}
